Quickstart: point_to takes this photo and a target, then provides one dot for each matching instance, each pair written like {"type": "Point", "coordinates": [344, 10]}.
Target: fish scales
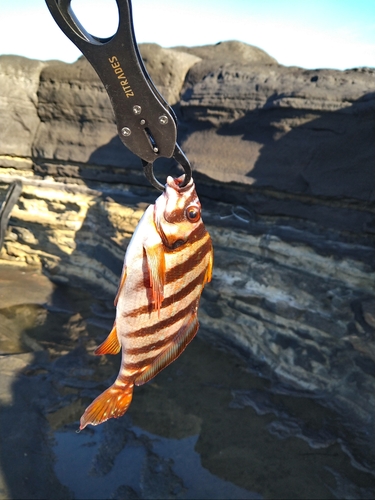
{"type": "Point", "coordinates": [145, 328]}
{"type": "Point", "coordinates": [167, 263]}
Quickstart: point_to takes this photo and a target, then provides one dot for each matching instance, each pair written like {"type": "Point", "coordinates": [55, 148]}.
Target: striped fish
{"type": "Point", "coordinates": [167, 263]}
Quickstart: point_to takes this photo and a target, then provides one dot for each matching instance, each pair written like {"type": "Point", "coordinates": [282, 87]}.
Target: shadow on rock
{"type": "Point", "coordinates": [27, 469]}
{"type": "Point", "coordinates": [316, 153]}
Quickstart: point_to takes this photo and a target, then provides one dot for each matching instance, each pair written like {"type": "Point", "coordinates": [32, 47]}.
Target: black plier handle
{"type": "Point", "coordinates": [146, 123]}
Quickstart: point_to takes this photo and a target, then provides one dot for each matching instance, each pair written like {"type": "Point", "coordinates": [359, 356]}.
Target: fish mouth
{"type": "Point", "coordinates": [175, 183]}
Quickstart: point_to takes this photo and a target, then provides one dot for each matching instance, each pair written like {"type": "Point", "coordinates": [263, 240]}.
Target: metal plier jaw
{"type": "Point", "coordinates": [146, 124]}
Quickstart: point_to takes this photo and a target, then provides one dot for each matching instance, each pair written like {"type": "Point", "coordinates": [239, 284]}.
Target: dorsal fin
{"type": "Point", "coordinates": [111, 345]}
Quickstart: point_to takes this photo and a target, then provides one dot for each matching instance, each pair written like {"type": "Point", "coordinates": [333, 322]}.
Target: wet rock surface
{"type": "Point", "coordinates": [204, 428]}
{"type": "Point", "coordinates": [284, 166]}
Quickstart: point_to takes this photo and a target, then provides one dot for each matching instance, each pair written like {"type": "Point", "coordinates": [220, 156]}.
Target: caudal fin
{"type": "Point", "coordinates": [112, 403]}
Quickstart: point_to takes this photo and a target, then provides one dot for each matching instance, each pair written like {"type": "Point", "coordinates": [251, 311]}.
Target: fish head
{"type": "Point", "coordinates": [177, 212]}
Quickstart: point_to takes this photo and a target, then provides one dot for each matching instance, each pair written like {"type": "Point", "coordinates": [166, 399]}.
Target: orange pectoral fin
{"type": "Point", "coordinates": [122, 281]}
{"type": "Point", "coordinates": [208, 275]}
{"type": "Point", "coordinates": [111, 345]}
{"type": "Point", "coordinates": [184, 336]}
{"type": "Point", "coordinates": [156, 267]}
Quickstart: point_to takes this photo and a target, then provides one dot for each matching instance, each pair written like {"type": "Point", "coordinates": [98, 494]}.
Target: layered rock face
{"type": "Point", "coordinates": [284, 167]}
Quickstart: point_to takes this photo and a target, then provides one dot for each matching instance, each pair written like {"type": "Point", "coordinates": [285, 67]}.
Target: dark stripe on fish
{"type": "Point", "coordinates": [178, 214]}
{"type": "Point", "coordinates": [194, 260]}
{"type": "Point", "coordinates": [176, 297]}
{"type": "Point", "coordinates": [141, 363]}
{"type": "Point", "coordinates": [149, 347]}
{"type": "Point", "coordinates": [195, 235]}
{"type": "Point", "coordinates": [153, 329]}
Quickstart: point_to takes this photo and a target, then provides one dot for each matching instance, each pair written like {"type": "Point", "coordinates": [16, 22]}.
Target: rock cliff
{"type": "Point", "coordinates": [284, 166]}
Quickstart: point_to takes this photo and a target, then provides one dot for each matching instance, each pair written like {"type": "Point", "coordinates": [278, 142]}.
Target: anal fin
{"type": "Point", "coordinates": [111, 345]}
{"type": "Point", "coordinates": [185, 335]}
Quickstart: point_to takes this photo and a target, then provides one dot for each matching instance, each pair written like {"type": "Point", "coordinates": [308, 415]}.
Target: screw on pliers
{"type": "Point", "coordinates": [146, 124]}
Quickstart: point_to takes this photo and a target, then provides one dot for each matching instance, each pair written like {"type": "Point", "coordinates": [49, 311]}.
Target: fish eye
{"type": "Point", "coordinates": [193, 213]}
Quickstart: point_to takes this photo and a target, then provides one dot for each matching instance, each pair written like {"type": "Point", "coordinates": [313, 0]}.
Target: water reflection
{"type": "Point", "coordinates": [146, 466]}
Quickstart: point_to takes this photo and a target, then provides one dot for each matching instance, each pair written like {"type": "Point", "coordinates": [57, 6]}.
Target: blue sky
{"type": "Point", "coordinates": [336, 34]}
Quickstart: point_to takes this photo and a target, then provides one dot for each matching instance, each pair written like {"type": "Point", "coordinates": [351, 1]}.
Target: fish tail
{"type": "Point", "coordinates": [112, 403]}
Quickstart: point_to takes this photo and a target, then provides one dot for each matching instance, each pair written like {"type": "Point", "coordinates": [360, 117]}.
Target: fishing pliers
{"type": "Point", "coordinates": [146, 124]}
